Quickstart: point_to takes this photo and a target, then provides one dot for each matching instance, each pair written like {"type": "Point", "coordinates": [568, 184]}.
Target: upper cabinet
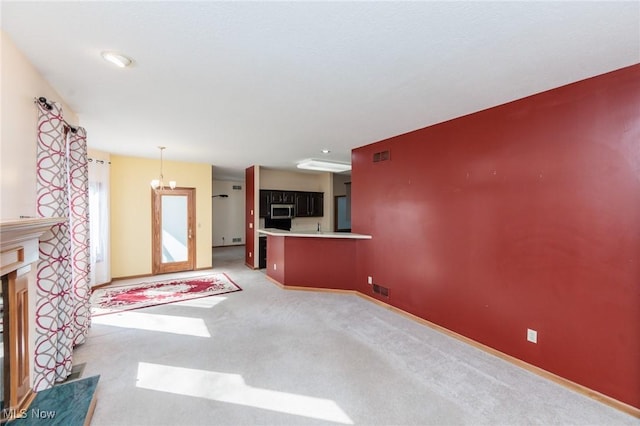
{"type": "Point", "coordinates": [307, 204]}
{"type": "Point", "coordinates": [265, 203]}
{"type": "Point", "coordinates": [280, 197]}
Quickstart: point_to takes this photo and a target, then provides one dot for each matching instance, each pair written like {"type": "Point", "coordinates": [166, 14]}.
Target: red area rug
{"type": "Point", "coordinates": [109, 300]}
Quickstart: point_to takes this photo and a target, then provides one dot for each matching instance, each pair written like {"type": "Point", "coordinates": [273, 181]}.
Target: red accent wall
{"type": "Point", "coordinates": [526, 215]}
{"type": "Point", "coordinates": [275, 259]}
{"type": "Point", "coordinates": [249, 248]}
{"type": "Point", "coordinates": [312, 262]}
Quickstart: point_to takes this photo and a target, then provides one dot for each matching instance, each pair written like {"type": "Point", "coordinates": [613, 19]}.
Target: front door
{"type": "Point", "coordinates": [173, 231]}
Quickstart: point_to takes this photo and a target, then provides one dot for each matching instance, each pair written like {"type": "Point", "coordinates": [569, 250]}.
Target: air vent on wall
{"type": "Point", "coordinates": [381, 156]}
{"type": "Point", "coordinates": [237, 187]}
{"type": "Point", "coordinates": [383, 291]}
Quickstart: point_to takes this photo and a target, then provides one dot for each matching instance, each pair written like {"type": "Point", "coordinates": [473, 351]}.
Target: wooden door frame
{"type": "Point", "coordinates": [157, 267]}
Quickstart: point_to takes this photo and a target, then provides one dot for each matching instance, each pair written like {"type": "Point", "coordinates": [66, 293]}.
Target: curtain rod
{"type": "Point", "coordinates": [98, 161]}
{"type": "Point", "coordinates": [43, 101]}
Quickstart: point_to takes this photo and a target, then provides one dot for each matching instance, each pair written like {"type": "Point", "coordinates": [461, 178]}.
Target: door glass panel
{"type": "Point", "coordinates": [344, 221]}
{"type": "Point", "coordinates": [174, 228]}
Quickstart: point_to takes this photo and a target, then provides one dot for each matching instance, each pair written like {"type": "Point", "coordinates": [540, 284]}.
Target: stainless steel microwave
{"type": "Point", "coordinates": [282, 211]}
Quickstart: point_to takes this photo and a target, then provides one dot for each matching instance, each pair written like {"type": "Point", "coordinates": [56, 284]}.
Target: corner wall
{"type": "Point", "coordinates": [522, 216]}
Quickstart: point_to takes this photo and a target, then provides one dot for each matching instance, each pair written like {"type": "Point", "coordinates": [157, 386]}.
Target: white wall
{"type": "Point", "coordinates": [20, 83]}
{"type": "Point", "coordinates": [228, 213]}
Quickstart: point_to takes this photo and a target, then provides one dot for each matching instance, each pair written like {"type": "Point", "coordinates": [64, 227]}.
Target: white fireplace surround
{"type": "Point", "coordinates": [19, 240]}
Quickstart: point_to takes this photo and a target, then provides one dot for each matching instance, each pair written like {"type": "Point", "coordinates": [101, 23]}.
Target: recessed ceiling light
{"type": "Point", "coordinates": [324, 166]}
{"type": "Point", "coordinates": [326, 151]}
{"type": "Point", "coordinates": [116, 59]}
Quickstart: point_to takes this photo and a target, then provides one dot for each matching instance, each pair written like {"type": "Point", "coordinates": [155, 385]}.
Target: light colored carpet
{"type": "Point", "coordinates": [267, 356]}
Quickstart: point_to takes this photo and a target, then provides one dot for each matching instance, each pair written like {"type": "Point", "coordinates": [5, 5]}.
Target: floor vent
{"type": "Point", "coordinates": [76, 372]}
{"type": "Point", "coordinates": [383, 291]}
{"type": "Point", "coordinates": [381, 156]}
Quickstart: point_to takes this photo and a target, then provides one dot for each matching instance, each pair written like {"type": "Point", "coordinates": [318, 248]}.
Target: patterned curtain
{"type": "Point", "coordinates": [79, 227]}
{"type": "Point", "coordinates": [62, 300]}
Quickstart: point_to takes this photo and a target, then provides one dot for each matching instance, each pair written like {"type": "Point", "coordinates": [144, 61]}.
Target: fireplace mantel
{"type": "Point", "coordinates": [19, 240]}
{"type": "Point", "coordinates": [19, 253]}
{"type": "Point", "coordinates": [15, 231]}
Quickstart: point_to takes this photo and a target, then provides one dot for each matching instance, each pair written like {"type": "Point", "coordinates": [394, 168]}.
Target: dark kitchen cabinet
{"type": "Point", "coordinates": [270, 196]}
{"type": "Point", "coordinates": [288, 197]}
{"type": "Point", "coordinates": [276, 197]}
{"type": "Point", "coordinates": [283, 197]}
{"type": "Point", "coordinates": [302, 204]}
{"type": "Point", "coordinates": [309, 204]}
{"type": "Point", "coordinates": [317, 204]}
{"type": "Point", "coordinates": [262, 252]}
{"type": "Point", "coordinates": [265, 203]}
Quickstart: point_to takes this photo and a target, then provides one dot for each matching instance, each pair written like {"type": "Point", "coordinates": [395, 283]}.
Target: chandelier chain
{"type": "Point", "coordinates": [159, 183]}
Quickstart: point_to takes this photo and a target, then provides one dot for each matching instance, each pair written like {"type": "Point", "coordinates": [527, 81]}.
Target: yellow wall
{"type": "Point", "coordinates": [131, 210]}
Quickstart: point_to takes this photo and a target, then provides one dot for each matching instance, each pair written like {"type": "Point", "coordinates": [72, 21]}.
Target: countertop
{"type": "Point", "coordinates": [313, 234]}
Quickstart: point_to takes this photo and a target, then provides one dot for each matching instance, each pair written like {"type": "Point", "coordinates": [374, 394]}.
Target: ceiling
{"type": "Point", "coordinates": [235, 84]}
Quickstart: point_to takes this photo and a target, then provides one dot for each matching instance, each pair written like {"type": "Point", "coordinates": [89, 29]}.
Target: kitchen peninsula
{"type": "Point", "coordinates": [312, 259]}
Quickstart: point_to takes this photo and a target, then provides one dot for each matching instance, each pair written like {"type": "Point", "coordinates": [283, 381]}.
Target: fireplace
{"type": "Point", "coordinates": [19, 240]}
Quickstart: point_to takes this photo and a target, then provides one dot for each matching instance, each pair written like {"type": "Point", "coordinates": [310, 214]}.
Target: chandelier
{"type": "Point", "coordinates": [159, 183]}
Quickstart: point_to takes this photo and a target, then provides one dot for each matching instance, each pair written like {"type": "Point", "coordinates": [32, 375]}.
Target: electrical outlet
{"type": "Point", "coordinates": [370, 280]}
{"type": "Point", "coordinates": [532, 336]}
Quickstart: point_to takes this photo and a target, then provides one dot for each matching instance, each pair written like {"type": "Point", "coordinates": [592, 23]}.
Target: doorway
{"type": "Point", "coordinates": [342, 214]}
{"type": "Point", "coordinates": [173, 236]}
